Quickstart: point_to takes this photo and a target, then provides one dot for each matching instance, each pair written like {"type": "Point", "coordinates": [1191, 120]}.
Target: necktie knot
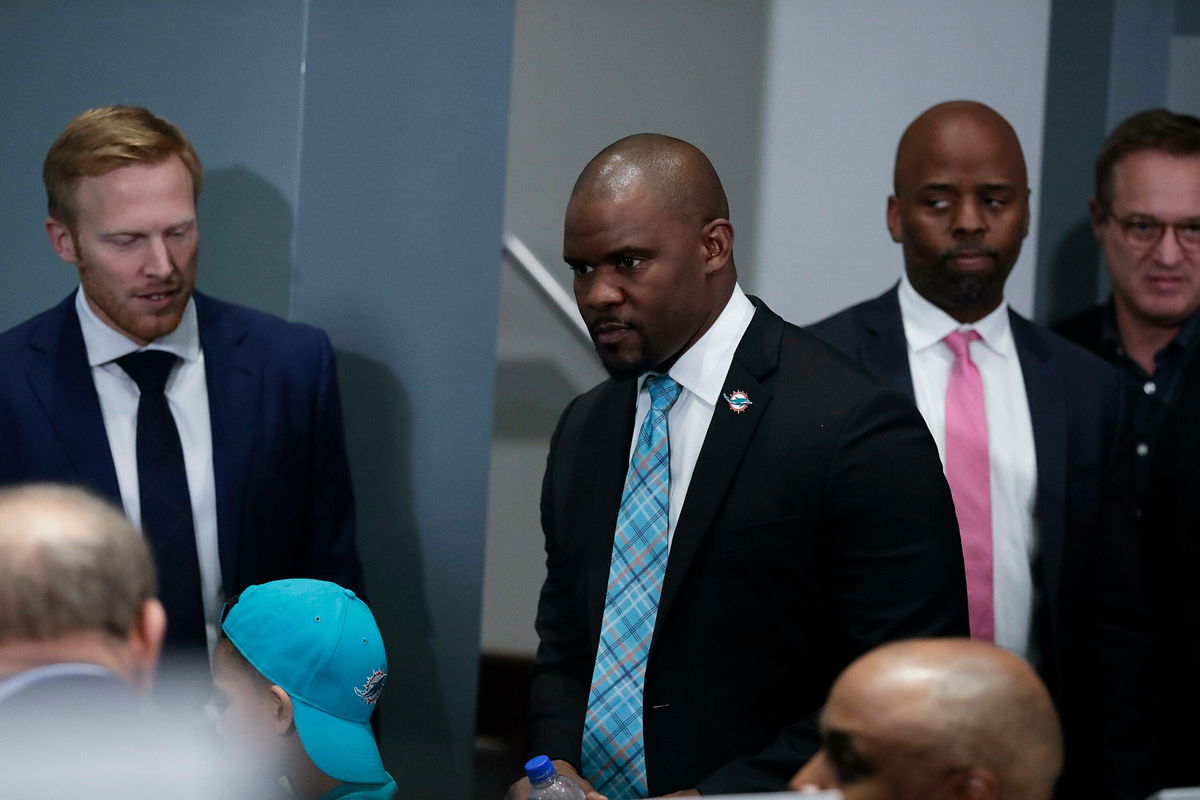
{"type": "Point", "coordinates": [664, 391]}
{"type": "Point", "coordinates": [149, 369]}
{"type": "Point", "coordinates": [959, 342]}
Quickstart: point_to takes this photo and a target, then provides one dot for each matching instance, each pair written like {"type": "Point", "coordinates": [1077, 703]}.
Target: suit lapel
{"type": "Point", "coordinates": [62, 381]}
{"type": "Point", "coordinates": [602, 460]}
{"type": "Point", "coordinates": [233, 374]}
{"type": "Point", "coordinates": [884, 350]}
{"type": "Point", "coordinates": [1046, 394]}
{"type": "Point", "coordinates": [728, 436]}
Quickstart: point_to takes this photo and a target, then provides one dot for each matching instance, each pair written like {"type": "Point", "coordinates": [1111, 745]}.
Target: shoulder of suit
{"type": "Point", "coordinates": [1081, 367]}
{"type": "Point", "coordinates": [43, 326]}
{"type": "Point", "coordinates": [843, 326]}
{"type": "Point", "coordinates": [606, 391]}
{"type": "Point", "coordinates": [212, 311]}
{"type": "Point", "coordinates": [809, 356]}
{"type": "Point", "coordinates": [1083, 328]}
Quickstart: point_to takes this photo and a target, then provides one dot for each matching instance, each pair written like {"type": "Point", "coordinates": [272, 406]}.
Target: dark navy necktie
{"type": "Point", "coordinates": [166, 503]}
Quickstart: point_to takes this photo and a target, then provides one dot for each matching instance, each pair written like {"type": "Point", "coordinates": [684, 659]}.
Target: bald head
{"type": "Point", "coordinates": [957, 119]}
{"type": "Point", "coordinates": [648, 236]}
{"type": "Point", "coordinates": [922, 714]}
{"type": "Point", "coordinates": [69, 562]}
{"type": "Point", "coordinates": [682, 177]}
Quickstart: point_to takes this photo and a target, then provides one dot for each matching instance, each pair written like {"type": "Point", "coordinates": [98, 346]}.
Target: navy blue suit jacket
{"type": "Point", "coordinates": [1088, 626]}
{"type": "Point", "coordinates": [284, 502]}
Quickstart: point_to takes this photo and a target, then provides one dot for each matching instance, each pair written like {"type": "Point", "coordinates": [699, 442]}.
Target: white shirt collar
{"type": "Point", "coordinates": [925, 325]}
{"type": "Point", "coordinates": [703, 367]}
{"type": "Point", "coordinates": [105, 344]}
{"type": "Point", "coordinates": [18, 682]}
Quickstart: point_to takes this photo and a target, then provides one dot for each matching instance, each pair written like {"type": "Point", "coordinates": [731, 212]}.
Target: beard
{"type": "Point", "coordinates": [969, 289]}
{"type": "Point", "coordinates": [624, 369]}
{"type": "Point", "coordinates": [616, 359]}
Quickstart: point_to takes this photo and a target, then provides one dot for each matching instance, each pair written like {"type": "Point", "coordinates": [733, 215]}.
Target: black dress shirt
{"type": "Point", "coordinates": [1149, 394]}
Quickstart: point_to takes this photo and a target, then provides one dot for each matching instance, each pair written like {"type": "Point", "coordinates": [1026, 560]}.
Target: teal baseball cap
{"type": "Point", "coordinates": [319, 643]}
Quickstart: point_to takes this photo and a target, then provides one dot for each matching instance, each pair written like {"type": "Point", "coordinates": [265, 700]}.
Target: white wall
{"type": "Point", "coordinates": [843, 81]}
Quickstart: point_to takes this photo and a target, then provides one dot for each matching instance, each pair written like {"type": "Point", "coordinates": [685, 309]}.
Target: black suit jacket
{"type": "Point", "coordinates": [284, 503]}
{"type": "Point", "coordinates": [817, 525]}
{"type": "Point", "coordinates": [1088, 627]}
{"type": "Point", "coordinates": [1170, 535]}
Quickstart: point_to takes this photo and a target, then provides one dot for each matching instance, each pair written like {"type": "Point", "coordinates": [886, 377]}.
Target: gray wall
{"type": "Point", "coordinates": [211, 68]}
{"type": "Point", "coordinates": [588, 73]}
{"type": "Point", "coordinates": [354, 154]}
{"type": "Point", "coordinates": [584, 75]}
{"type": "Point", "coordinates": [843, 81]}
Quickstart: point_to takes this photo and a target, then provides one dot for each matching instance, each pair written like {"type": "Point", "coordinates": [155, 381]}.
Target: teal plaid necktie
{"type": "Point", "coordinates": [613, 753]}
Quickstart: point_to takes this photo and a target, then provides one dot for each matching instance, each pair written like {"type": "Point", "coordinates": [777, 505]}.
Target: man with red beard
{"type": "Point", "coordinates": [216, 427]}
{"type": "Point", "coordinates": [1026, 424]}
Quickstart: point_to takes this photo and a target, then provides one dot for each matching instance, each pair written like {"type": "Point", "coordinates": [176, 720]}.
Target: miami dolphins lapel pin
{"type": "Point", "coordinates": [738, 401]}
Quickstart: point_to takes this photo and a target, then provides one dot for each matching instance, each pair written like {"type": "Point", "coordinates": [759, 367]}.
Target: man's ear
{"type": "Point", "coordinates": [145, 640]}
{"type": "Point", "coordinates": [717, 237]}
{"type": "Point", "coordinates": [62, 240]}
{"type": "Point", "coordinates": [284, 713]}
{"type": "Point", "coordinates": [893, 219]}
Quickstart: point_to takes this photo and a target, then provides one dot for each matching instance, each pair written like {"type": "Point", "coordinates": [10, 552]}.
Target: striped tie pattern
{"type": "Point", "coordinates": [613, 753]}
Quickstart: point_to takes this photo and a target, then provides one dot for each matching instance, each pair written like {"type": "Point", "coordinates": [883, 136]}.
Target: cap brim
{"type": "Point", "coordinates": [340, 748]}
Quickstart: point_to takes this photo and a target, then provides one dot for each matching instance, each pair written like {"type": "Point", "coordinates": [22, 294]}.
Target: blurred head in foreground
{"type": "Point", "coordinates": [76, 586]}
{"type": "Point", "coordinates": [80, 636]}
{"type": "Point", "coordinates": [937, 718]}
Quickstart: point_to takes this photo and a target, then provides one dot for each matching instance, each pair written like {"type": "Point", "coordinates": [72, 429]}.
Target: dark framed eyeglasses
{"type": "Point", "coordinates": [1145, 232]}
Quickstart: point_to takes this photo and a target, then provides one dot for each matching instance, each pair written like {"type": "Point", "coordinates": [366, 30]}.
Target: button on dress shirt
{"type": "Point", "coordinates": [1150, 395]}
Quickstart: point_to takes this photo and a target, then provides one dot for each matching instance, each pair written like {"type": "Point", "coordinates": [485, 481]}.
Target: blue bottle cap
{"type": "Point", "coordinates": [539, 769]}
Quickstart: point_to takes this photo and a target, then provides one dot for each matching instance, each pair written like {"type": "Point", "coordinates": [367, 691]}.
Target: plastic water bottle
{"type": "Point", "coordinates": [547, 784]}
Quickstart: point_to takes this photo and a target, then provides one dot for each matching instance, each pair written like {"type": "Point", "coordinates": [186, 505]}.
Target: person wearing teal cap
{"type": "Point", "coordinates": [299, 670]}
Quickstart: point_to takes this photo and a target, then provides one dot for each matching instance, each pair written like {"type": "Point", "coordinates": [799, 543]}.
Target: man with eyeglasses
{"type": "Point", "coordinates": [1146, 215]}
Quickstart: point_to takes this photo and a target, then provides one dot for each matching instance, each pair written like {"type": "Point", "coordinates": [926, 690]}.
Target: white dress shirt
{"type": "Point", "coordinates": [700, 373]}
{"type": "Point", "coordinates": [1011, 455]}
{"type": "Point", "coordinates": [187, 396]}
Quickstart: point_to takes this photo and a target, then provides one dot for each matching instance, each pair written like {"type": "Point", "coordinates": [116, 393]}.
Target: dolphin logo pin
{"type": "Point", "coordinates": [738, 401]}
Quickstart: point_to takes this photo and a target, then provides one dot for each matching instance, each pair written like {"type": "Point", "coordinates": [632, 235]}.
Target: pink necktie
{"type": "Point", "coordinates": [970, 480]}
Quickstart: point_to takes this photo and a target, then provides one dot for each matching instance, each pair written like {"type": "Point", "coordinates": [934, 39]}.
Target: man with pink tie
{"type": "Point", "coordinates": [1026, 423]}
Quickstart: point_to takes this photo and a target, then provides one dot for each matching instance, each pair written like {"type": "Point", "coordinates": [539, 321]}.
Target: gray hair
{"type": "Point", "coordinates": [69, 561]}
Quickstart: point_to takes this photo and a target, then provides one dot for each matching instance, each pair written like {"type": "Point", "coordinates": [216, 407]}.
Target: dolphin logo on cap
{"type": "Point", "coordinates": [370, 691]}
